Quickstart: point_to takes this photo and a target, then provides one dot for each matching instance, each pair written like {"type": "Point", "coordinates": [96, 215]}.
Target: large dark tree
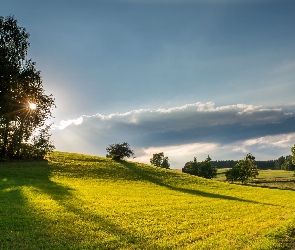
{"type": "Point", "coordinates": [24, 107]}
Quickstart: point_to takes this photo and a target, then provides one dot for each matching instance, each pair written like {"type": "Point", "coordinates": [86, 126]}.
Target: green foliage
{"type": "Point", "coordinates": [279, 162]}
{"type": "Point", "coordinates": [243, 171]}
{"type": "Point", "coordinates": [85, 202]}
{"type": "Point", "coordinates": [293, 154]}
{"type": "Point", "coordinates": [160, 160]}
{"type": "Point", "coordinates": [203, 169]}
{"type": "Point", "coordinates": [285, 163]}
{"type": "Point", "coordinates": [21, 85]}
{"type": "Point", "coordinates": [119, 151]}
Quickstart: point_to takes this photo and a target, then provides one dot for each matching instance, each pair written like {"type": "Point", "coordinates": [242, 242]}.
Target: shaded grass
{"type": "Point", "coordinates": [84, 202]}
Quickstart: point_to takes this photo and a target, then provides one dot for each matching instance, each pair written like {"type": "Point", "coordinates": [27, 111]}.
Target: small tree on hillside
{"type": "Point", "coordinates": [160, 160]}
{"type": "Point", "coordinates": [119, 151]}
{"type": "Point", "coordinates": [203, 169]}
{"type": "Point", "coordinates": [243, 171]}
{"type": "Point", "coordinates": [207, 170]}
{"type": "Point", "coordinates": [191, 167]}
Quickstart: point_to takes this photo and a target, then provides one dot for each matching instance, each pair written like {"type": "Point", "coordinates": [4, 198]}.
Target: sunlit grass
{"type": "Point", "coordinates": [281, 179]}
{"type": "Point", "coordinates": [85, 202]}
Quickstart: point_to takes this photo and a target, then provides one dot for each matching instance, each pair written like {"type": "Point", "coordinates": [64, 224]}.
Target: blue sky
{"type": "Point", "coordinates": [189, 78]}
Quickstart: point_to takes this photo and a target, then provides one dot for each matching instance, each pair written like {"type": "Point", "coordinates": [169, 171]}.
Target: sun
{"type": "Point", "coordinates": [32, 106]}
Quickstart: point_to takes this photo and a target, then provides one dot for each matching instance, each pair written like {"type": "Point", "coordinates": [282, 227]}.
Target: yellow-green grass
{"type": "Point", "coordinates": [85, 202]}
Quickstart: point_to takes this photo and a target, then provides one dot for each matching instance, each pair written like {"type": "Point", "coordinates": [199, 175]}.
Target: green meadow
{"type": "Point", "coordinates": [75, 201]}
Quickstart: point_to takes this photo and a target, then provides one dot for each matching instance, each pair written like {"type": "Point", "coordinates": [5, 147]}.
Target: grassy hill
{"type": "Point", "coordinates": [84, 202]}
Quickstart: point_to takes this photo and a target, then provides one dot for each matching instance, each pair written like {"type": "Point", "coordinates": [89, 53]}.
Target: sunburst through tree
{"type": "Point", "coordinates": [24, 107]}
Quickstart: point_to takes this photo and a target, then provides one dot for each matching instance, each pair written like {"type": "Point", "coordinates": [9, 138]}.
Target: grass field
{"type": "Point", "coordinates": [83, 202]}
{"type": "Point", "coordinates": [280, 179]}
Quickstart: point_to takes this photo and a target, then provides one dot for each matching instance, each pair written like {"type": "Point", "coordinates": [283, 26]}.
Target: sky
{"type": "Point", "coordinates": [189, 78]}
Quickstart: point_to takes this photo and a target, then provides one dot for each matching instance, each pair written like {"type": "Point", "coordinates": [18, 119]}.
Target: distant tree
{"type": "Point", "coordinates": [243, 171]}
{"type": "Point", "coordinates": [279, 162]}
{"type": "Point", "coordinates": [233, 174]}
{"type": "Point", "coordinates": [24, 107]}
{"type": "Point", "coordinates": [160, 160]}
{"type": "Point", "coordinates": [293, 154]}
{"type": "Point", "coordinates": [119, 151]}
{"type": "Point", "coordinates": [224, 163]}
{"type": "Point", "coordinates": [203, 169]}
{"type": "Point", "coordinates": [288, 164]}
{"type": "Point", "coordinates": [285, 163]}
{"type": "Point", "coordinates": [207, 170]}
{"type": "Point", "coordinates": [191, 167]}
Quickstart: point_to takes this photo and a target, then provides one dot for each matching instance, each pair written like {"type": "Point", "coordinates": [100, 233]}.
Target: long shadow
{"type": "Point", "coordinates": [148, 176]}
{"type": "Point", "coordinates": [35, 174]}
{"type": "Point", "coordinates": [21, 224]}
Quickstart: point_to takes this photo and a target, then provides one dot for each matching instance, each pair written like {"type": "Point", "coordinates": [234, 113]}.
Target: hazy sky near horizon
{"type": "Point", "coordinates": [186, 77]}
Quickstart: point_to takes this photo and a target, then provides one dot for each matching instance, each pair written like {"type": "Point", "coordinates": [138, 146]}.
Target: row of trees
{"type": "Point", "coordinates": [285, 163]}
{"type": "Point", "coordinates": [282, 163]}
{"type": "Point", "coordinates": [24, 107]}
{"type": "Point", "coordinates": [243, 170]}
{"type": "Point", "coordinates": [203, 169]}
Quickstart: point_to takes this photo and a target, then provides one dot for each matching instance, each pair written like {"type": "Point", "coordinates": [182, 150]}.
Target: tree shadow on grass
{"type": "Point", "coordinates": [34, 174]}
{"type": "Point", "coordinates": [24, 226]}
{"type": "Point", "coordinates": [149, 175]}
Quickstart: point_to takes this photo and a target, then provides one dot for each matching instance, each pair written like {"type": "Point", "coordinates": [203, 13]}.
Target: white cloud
{"type": "Point", "coordinates": [189, 115]}
{"type": "Point", "coordinates": [177, 154]}
{"type": "Point", "coordinates": [64, 124]}
{"type": "Point", "coordinates": [198, 129]}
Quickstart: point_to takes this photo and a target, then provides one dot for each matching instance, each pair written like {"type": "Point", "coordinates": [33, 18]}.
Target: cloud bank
{"type": "Point", "coordinates": [198, 129]}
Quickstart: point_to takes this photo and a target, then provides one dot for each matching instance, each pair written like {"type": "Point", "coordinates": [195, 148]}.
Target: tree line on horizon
{"type": "Point", "coordinates": [282, 163]}
{"type": "Point", "coordinates": [242, 170]}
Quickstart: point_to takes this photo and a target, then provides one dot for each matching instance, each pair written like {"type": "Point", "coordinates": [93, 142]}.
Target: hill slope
{"type": "Point", "coordinates": [85, 202]}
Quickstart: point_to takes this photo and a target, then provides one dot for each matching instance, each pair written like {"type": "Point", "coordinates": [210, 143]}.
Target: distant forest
{"type": "Point", "coordinates": [230, 163]}
{"type": "Point", "coordinates": [282, 163]}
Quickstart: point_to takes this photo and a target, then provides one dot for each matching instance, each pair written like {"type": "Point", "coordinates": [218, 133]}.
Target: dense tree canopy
{"type": "Point", "coordinates": [119, 150]}
{"type": "Point", "coordinates": [244, 170]}
{"type": "Point", "coordinates": [203, 169]}
{"type": "Point", "coordinates": [160, 160]}
{"type": "Point", "coordinates": [24, 107]}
